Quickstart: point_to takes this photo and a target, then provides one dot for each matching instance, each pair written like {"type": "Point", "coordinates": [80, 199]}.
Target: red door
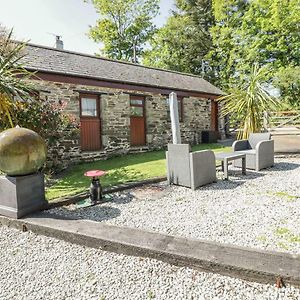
{"type": "Point", "coordinates": [137, 121]}
{"type": "Point", "coordinates": [90, 135]}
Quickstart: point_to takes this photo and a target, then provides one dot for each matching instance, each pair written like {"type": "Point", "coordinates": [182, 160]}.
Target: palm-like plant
{"type": "Point", "coordinates": [248, 102]}
{"type": "Point", "coordinates": [13, 77]}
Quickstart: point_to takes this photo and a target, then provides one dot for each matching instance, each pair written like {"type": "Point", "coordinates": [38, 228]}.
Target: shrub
{"type": "Point", "coordinates": [44, 117]}
{"type": "Point", "coordinates": [48, 119]}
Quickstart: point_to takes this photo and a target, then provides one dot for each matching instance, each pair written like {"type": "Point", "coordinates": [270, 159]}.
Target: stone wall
{"type": "Point", "coordinates": [115, 121]}
{"type": "Point", "coordinates": [196, 118]}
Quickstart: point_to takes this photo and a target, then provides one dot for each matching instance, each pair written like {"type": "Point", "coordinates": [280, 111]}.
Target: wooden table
{"type": "Point", "coordinates": [226, 157]}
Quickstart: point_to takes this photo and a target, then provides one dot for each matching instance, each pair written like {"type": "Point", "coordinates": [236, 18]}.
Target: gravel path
{"type": "Point", "coordinates": [261, 209]}
{"type": "Point", "coordinates": [37, 267]}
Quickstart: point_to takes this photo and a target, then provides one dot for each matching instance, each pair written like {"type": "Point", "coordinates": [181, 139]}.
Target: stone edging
{"type": "Point", "coordinates": [84, 195]}
{"type": "Point", "coordinates": [240, 262]}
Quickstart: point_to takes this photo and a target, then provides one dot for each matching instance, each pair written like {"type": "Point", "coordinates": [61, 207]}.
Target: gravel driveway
{"type": "Point", "coordinates": [260, 210]}
{"type": "Point", "coordinates": [37, 267]}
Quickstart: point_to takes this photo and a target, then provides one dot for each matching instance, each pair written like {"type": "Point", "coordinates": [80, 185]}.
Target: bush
{"type": "Point", "coordinates": [45, 117]}
{"type": "Point", "coordinates": [42, 116]}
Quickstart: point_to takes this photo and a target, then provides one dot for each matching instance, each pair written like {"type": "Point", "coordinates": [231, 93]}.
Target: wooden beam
{"type": "Point", "coordinates": [73, 79]}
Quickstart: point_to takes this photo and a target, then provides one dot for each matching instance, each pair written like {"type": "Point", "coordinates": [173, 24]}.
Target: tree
{"type": "Point", "coordinates": [287, 80]}
{"type": "Point", "coordinates": [172, 47]}
{"type": "Point", "coordinates": [248, 101]}
{"type": "Point", "coordinates": [258, 31]}
{"type": "Point", "coordinates": [226, 41]}
{"type": "Point", "coordinates": [183, 42]}
{"type": "Point", "coordinates": [124, 27]}
{"type": "Point", "coordinates": [13, 77]}
{"type": "Point", "coordinates": [271, 30]}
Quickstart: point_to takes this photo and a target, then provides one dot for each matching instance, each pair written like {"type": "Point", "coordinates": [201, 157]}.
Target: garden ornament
{"type": "Point", "coordinates": [22, 151]}
{"type": "Point", "coordinates": [95, 187]}
{"type": "Point", "coordinates": [22, 190]}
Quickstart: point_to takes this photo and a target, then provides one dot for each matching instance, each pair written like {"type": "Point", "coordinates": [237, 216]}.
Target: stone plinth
{"type": "Point", "coordinates": [22, 195]}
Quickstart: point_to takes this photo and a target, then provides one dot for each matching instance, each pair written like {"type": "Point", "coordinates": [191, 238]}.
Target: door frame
{"type": "Point", "coordinates": [214, 117]}
{"type": "Point", "coordinates": [98, 117]}
{"type": "Point", "coordinates": [143, 98]}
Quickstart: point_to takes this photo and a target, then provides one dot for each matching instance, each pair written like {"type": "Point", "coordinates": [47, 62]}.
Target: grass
{"type": "Point", "coordinates": [283, 246]}
{"type": "Point", "coordinates": [287, 235]}
{"type": "Point", "coordinates": [131, 167]}
{"type": "Point", "coordinates": [288, 197]}
{"type": "Point", "coordinates": [262, 238]}
{"type": "Point", "coordinates": [282, 231]}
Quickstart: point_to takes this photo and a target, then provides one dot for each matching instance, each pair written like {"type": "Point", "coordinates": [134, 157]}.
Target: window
{"type": "Point", "coordinates": [136, 111]}
{"type": "Point", "coordinates": [88, 107]}
{"type": "Point", "coordinates": [136, 102]}
{"type": "Point", "coordinates": [180, 109]}
{"type": "Point", "coordinates": [136, 107]}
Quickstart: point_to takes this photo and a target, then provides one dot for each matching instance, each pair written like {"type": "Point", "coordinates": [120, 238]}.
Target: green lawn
{"type": "Point", "coordinates": [132, 167]}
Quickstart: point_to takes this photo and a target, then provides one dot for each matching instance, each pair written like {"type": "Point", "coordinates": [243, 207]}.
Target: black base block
{"type": "Point", "coordinates": [22, 195]}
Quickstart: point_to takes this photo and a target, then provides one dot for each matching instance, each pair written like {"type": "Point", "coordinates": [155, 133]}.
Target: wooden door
{"type": "Point", "coordinates": [90, 135]}
{"type": "Point", "coordinates": [214, 116]}
{"type": "Point", "coordinates": [137, 121]}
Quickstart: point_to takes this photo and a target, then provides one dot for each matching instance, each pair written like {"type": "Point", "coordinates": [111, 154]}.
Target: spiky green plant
{"type": "Point", "coordinates": [13, 77]}
{"type": "Point", "coordinates": [248, 102]}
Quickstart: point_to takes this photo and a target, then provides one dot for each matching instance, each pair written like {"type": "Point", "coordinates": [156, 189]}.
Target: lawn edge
{"type": "Point", "coordinates": [116, 188]}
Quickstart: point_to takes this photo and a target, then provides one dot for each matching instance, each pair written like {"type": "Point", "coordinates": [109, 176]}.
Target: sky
{"type": "Point", "coordinates": [40, 20]}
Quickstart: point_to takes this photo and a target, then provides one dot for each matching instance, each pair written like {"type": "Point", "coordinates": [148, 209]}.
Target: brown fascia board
{"type": "Point", "coordinates": [95, 81]}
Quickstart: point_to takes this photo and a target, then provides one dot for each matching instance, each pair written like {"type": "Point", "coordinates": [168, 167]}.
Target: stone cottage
{"type": "Point", "coordinates": [122, 107]}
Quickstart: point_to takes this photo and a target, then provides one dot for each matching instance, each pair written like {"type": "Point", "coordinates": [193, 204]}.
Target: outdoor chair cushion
{"type": "Point", "coordinates": [250, 151]}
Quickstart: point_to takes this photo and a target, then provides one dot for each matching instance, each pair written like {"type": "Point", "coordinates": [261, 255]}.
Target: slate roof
{"type": "Point", "coordinates": [41, 58]}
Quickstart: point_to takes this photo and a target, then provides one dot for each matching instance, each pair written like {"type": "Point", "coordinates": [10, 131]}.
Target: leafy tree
{"type": "Point", "coordinates": [248, 101]}
{"type": "Point", "coordinates": [288, 81]}
{"type": "Point", "coordinates": [183, 42]}
{"type": "Point", "coordinates": [13, 77]}
{"type": "Point", "coordinates": [225, 52]}
{"type": "Point", "coordinates": [246, 32]}
{"type": "Point", "coordinates": [271, 30]}
{"type": "Point", "coordinates": [124, 27]}
{"type": "Point", "coordinates": [172, 47]}
{"type": "Point", "coordinates": [200, 12]}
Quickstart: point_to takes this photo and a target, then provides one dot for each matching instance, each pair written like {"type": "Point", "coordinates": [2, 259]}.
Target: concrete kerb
{"type": "Point", "coordinates": [84, 195]}
{"type": "Point", "coordinates": [240, 262]}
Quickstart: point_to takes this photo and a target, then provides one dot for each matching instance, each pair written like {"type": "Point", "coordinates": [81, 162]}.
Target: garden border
{"type": "Point", "coordinates": [117, 188]}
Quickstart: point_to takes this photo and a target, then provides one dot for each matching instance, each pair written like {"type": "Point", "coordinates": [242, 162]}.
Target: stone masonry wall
{"type": "Point", "coordinates": [115, 121]}
{"type": "Point", "coordinates": [196, 118]}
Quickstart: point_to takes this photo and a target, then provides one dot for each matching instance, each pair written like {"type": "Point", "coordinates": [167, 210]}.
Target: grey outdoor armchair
{"type": "Point", "coordinates": [259, 150]}
{"type": "Point", "coordinates": [190, 169]}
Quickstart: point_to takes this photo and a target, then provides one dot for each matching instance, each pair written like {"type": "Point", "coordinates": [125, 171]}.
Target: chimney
{"type": "Point", "coordinates": [59, 43]}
